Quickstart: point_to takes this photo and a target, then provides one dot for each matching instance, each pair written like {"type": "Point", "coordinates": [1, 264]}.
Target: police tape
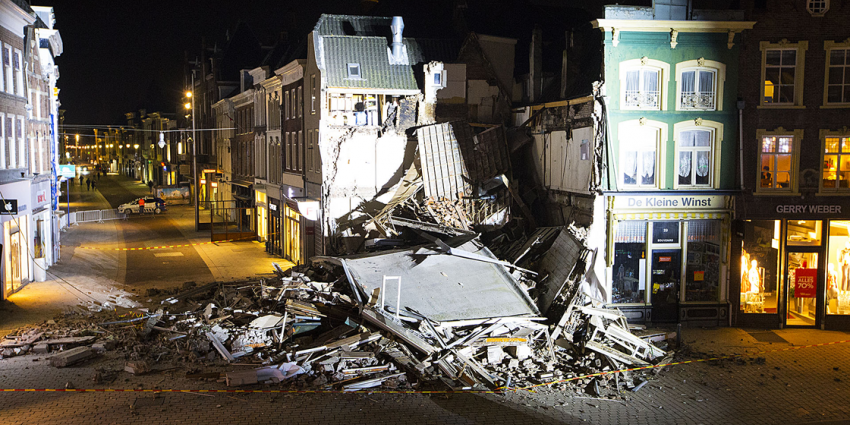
{"type": "Point", "coordinates": [152, 247]}
{"type": "Point", "coordinates": [500, 390]}
{"type": "Point", "coordinates": [610, 372]}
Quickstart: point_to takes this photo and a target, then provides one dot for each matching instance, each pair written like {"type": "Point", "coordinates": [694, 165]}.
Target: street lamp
{"type": "Point", "coordinates": [76, 145]}
{"type": "Point", "coordinates": [188, 105]}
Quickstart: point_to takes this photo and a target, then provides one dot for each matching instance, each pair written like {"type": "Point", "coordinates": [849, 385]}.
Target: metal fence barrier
{"type": "Point", "coordinates": [98, 216]}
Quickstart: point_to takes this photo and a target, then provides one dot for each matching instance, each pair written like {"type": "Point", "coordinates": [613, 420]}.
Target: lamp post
{"type": "Point", "coordinates": [189, 94]}
{"type": "Point", "coordinates": [76, 146]}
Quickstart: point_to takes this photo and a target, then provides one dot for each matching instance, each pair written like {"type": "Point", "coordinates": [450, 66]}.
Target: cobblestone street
{"type": "Point", "coordinates": [774, 385]}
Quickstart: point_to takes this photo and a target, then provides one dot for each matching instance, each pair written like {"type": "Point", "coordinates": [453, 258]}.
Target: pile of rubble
{"type": "Point", "coordinates": [448, 311]}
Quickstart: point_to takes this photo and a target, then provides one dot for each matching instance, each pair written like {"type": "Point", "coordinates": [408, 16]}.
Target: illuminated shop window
{"type": "Point", "coordinates": [760, 281]}
{"type": "Point", "coordinates": [804, 232]}
{"type": "Point", "coordinates": [838, 268]}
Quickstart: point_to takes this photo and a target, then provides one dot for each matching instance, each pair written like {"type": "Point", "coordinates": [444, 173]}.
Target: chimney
{"type": "Point", "coordinates": [535, 73]}
{"type": "Point", "coordinates": [397, 27]}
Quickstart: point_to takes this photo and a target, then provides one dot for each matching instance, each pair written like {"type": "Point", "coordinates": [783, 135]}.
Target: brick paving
{"type": "Point", "coordinates": [796, 386]}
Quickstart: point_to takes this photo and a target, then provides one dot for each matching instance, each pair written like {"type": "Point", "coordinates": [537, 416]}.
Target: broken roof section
{"type": "Point", "coordinates": [454, 160]}
{"type": "Point", "coordinates": [557, 253]}
{"type": "Point", "coordinates": [441, 286]}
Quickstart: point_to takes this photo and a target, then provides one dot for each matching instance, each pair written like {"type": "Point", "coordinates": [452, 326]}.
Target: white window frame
{"type": "Point", "coordinates": [817, 8]}
{"type": "Point", "coordinates": [19, 72]}
{"type": "Point", "coordinates": [796, 138]}
{"type": "Point", "coordinates": [3, 138]}
{"type": "Point", "coordinates": [841, 134]}
{"type": "Point", "coordinates": [22, 143]}
{"type": "Point", "coordinates": [641, 64]}
{"type": "Point", "coordinates": [701, 65]}
{"type": "Point", "coordinates": [9, 85]}
{"type": "Point", "coordinates": [799, 71]}
{"type": "Point", "coordinates": [828, 47]}
{"type": "Point", "coordinates": [353, 71]}
{"type": "Point", "coordinates": [625, 131]}
{"type": "Point", "coordinates": [716, 130]}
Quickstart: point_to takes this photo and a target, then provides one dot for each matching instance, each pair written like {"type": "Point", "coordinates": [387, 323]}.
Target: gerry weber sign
{"type": "Point", "coordinates": [808, 209]}
{"type": "Point", "coordinates": [668, 202]}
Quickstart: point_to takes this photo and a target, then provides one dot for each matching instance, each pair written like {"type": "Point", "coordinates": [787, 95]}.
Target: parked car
{"type": "Point", "coordinates": [152, 205]}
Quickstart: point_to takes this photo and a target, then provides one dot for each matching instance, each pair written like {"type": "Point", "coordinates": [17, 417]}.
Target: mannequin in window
{"type": "Point", "coordinates": [844, 260]}
{"type": "Point", "coordinates": [831, 288]}
{"type": "Point", "coordinates": [766, 177]}
{"type": "Point", "coordinates": [754, 277]}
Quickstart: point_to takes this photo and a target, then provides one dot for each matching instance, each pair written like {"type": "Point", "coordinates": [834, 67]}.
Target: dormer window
{"type": "Point", "coordinates": [354, 71]}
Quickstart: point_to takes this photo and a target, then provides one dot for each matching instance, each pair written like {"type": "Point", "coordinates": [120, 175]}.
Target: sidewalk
{"type": "Point", "coordinates": [88, 278]}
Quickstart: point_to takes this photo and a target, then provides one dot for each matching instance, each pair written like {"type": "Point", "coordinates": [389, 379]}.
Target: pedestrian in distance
{"type": "Point", "coordinates": [93, 185]}
{"type": "Point", "coordinates": [150, 185]}
{"type": "Point", "coordinates": [88, 184]}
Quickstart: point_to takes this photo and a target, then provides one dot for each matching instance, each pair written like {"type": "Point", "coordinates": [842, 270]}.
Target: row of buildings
{"type": "Point", "coordinates": [702, 149]}
{"type": "Point", "coordinates": [29, 148]}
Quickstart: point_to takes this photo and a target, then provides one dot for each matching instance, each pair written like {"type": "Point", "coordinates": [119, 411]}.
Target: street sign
{"type": "Point", "coordinates": [68, 170]}
{"type": "Point", "coordinates": [9, 206]}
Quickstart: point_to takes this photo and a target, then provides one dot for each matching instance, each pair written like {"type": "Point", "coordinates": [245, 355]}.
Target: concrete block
{"type": "Point", "coordinates": [137, 367]}
{"type": "Point", "coordinates": [41, 348]}
{"type": "Point", "coordinates": [245, 377]}
{"type": "Point", "coordinates": [69, 357]}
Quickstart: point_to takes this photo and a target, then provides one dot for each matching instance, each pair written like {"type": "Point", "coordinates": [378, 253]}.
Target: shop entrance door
{"type": "Point", "coordinates": [666, 274]}
{"type": "Point", "coordinates": [802, 285]}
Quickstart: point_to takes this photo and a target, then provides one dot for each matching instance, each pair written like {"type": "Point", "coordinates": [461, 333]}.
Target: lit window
{"type": "Point", "coordinates": [836, 163]}
{"type": "Point", "coordinates": [354, 70]}
{"type": "Point", "coordinates": [638, 154]}
{"type": "Point", "coordinates": [776, 155]}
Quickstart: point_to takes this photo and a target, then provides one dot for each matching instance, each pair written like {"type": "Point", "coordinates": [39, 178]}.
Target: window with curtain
{"type": "Point", "coordinates": [637, 157]}
{"type": "Point", "coordinates": [698, 89]}
{"type": "Point", "coordinates": [642, 88]}
{"type": "Point", "coordinates": [695, 162]}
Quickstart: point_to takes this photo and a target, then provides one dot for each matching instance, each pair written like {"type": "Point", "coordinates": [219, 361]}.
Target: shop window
{"type": "Point", "coordinates": [782, 73]}
{"type": "Point", "coordinates": [629, 270]}
{"type": "Point", "coordinates": [838, 269]}
{"type": "Point", "coordinates": [760, 284]}
{"type": "Point", "coordinates": [776, 162]}
{"type": "Point", "coordinates": [702, 272]}
{"type": "Point", "coordinates": [804, 233]}
{"type": "Point", "coordinates": [836, 163]}
{"type": "Point", "coordinates": [643, 83]}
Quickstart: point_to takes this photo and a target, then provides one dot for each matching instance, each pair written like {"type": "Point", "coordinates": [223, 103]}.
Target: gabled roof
{"type": "Point", "coordinates": [375, 68]}
{"type": "Point", "coordinates": [364, 26]}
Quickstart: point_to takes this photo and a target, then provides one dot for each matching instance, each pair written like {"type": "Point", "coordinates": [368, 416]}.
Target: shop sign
{"type": "Point", "coordinates": [273, 207]}
{"type": "Point", "coordinates": [41, 196]}
{"type": "Point", "coordinates": [808, 209]}
{"type": "Point", "coordinates": [699, 276]}
{"type": "Point", "coordinates": [309, 209]}
{"type": "Point", "coordinates": [804, 283]}
{"type": "Point", "coordinates": [665, 232]}
{"type": "Point", "coordinates": [665, 259]}
{"type": "Point", "coordinates": [9, 206]}
{"type": "Point", "coordinates": [68, 171]}
{"type": "Point", "coordinates": [684, 202]}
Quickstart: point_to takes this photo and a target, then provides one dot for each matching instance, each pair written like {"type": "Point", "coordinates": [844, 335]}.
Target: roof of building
{"type": "Point", "coordinates": [364, 26]}
{"type": "Point", "coordinates": [370, 53]}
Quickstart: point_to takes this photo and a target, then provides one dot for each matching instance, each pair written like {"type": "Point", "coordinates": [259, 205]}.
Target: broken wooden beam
{"type": "Point", "coordinates": [69, 357]}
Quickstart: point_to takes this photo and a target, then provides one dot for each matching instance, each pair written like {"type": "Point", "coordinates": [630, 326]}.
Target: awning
{"type": "Point", "coordinates": [672, 216]}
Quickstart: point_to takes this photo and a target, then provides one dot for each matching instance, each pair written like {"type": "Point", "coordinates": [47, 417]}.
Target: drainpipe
{"type": "Point", "coordinates": [741, 142]}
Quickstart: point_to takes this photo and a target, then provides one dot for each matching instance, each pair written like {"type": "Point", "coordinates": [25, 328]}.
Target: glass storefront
{"type": "Point", "coordinates": [838, 268]}
{"type": "Point", "coordinates": [684, 264]}
{"type": "Point", "coordinates": [760, 287]}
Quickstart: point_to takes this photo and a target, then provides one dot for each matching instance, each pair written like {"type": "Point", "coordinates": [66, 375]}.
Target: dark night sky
{"type": "Point", "coordinates": [118, 54]}
{"type": "Point", "coordinates": [121, 55]}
